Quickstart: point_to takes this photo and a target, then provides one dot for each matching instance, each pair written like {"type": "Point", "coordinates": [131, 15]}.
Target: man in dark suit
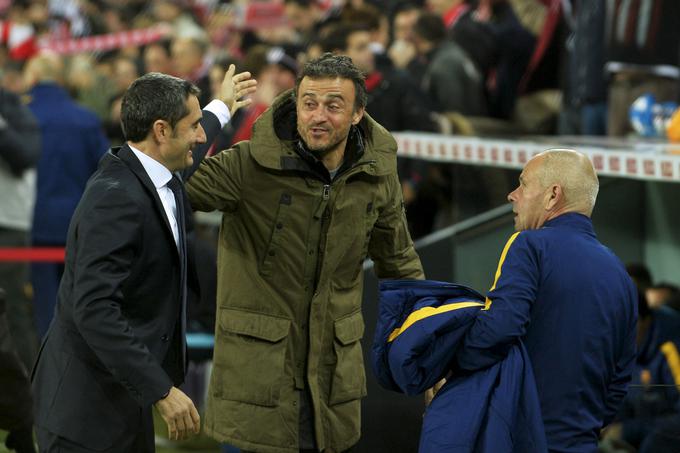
{"type": "Point", "coordinates": [116, 345]}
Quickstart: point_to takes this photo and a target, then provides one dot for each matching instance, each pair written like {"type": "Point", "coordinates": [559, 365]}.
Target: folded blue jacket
{"type": "Point", "coordinates": [421, 323]}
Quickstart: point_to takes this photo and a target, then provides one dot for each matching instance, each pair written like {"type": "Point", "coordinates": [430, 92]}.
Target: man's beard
{"type": "Point", "coordinates": [321, 152]}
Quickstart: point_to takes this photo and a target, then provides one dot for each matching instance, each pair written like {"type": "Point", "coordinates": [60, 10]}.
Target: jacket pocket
{"type": "Point", "coordinates": [349, 377]}
{"type": "Point", "coordinates": [250, 356]}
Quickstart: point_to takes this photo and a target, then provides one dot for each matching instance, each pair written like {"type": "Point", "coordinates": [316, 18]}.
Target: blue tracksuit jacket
{"type": "Point", "coordinates": [571, 302]}
{"type": "Point", "coordinates": [496, 410]}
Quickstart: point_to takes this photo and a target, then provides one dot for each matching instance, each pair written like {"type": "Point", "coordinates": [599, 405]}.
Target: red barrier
{"type": "Point", "coordinates": [35, 254]}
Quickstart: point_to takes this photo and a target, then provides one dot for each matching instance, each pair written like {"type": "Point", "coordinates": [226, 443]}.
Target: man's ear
{"type": "Point", "coordinates": [357, 115]}
{"type": "Point", "coordinates": [553, 196]}
{"type": "Point", "coordinates": [161, 131]}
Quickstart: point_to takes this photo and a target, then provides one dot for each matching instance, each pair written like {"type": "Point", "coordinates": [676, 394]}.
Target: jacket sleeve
{"type": "Point", "coordinates": [507, 312]}
{"type": "Point", "coordinates": [618, 386]}
{"type": "Point", "coordinates": [390, 246]}
{"type": "Point", "coordinates": [108, 242]}
{"type": "Point", "coordinates": [19, 135]}
{"type": "Point", "coordinates": [216, 184]}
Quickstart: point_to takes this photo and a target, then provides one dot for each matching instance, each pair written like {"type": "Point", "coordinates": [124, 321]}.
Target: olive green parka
{"type": "Point", "coordinates": [291, 247]}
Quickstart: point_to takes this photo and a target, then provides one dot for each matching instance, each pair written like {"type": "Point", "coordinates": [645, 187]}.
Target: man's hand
{"type": "Point", "coordinates": [234, 87]}
{"type": "Point", "coordinates": [179, 413]}
{"type": "Point", "coordinates": [430, 393]}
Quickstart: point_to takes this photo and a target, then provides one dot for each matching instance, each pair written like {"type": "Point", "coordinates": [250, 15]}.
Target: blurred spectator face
{"type": "Point", "coordinates": [186, 57]}
{"type": "Point", "coordinates": [81, 73]}
{"type": "Point", "coordinates": [13, 79]}
{"type": "Point", "coordinates": [359, 50]}
{"type": "Point", "coordinates": [658, 296]}
{"type": "Point", "coordinates": [282, 78]}
{"type": "Point", "coordinates": [125, 72]}
{"type": "Point", "coordinates": [313, 52]}
{"type": "Point", "coordinates": [301, 19]}
{"type": "Point", "coordinates": [403, 24]}
{"type": "Point", "coordinates": [166, 11]}
{"type": "Point", "coordinates": [157, 59]}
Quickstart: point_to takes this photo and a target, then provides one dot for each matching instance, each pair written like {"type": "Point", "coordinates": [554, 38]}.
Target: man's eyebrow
{"type": "Point", "coordinates": [331, 96]}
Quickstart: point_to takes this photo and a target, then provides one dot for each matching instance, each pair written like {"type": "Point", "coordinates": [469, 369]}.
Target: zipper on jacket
{"type": "Point", "coordinates": [325, 196]}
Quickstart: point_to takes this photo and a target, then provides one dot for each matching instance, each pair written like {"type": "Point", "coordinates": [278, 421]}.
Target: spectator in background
{"type": "Point", "coordinates": [157, 58]}
{"type": "Point", "coordinates": [640, 275]}
{"type": "Point", "coordinates": [649, 420]}
{"type": "Point", "coordinates": [448, 10]}
{"type": "Point", "coordinates": [125, 71]}
{"type": "Point", "coordinates": [72, 143]}
{"type": "Point", "coordinates": [190, 62]}
{"type": "Point", "coordinates": [275, 72]}
{"type": "Point", "coordinates": [16, 413]}
{"type": "Point", "coordinates": [402, 51]}
{"type": "Point", "coordinates": [643, 49]}
{"type": "Point", "coordinates": [585, 89]}
{"type": "Point", "coordinates": [494, 39]}
{"type": "Point", "coordinates": [178, 14]}
{"type": "Point", "coordinates": [89, 87]}
{"type": "Point", "coordinates": [659, 294]}
{"type": "Point", "coordinates": [12, 76]}
{"type": "Point", "coordinates": [306, 17]}
{"type": "Point", "coordinates": [19, 154]}
{"type": "Point", "coordinates": [451, 81]}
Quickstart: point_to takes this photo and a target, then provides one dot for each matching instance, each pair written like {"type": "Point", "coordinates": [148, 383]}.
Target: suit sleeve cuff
{"type": "Point", "coordinates": [220, 110]}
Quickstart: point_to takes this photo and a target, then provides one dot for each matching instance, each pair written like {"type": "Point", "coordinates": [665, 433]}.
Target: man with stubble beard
{"type": "Point", "coordinates": [304, 202]}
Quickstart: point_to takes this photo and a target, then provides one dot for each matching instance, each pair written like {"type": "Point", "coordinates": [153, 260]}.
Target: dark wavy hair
{"type": "Point", "coordinates": [154, 96]}
{"type": "Point", "coordinates": [332, 66]}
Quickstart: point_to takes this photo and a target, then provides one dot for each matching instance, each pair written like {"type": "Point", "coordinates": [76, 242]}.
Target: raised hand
{"type": "Point", "coordinates": [235, 87]}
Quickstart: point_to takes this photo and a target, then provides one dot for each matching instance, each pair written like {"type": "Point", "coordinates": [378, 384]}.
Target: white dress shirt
{"type": "Point", "coordinates": [160, 176]}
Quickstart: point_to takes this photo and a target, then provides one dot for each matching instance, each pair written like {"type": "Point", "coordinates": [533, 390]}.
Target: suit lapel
{"type": "Point", "coordinates": [128, 157]}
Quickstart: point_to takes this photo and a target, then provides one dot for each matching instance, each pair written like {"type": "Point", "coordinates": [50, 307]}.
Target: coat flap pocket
{"type": "Point", "coordinates": [258, 325]}
{"type": "Point", "coordinates": [350, 328]}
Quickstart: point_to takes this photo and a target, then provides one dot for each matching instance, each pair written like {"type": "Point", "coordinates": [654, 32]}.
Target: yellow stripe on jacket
{"type": "Point", "coordinates": [673, 359]}
{"type": "Point", "coordinates": [426, 312]}
{"type": "Point", "coordinates": [487, 305]}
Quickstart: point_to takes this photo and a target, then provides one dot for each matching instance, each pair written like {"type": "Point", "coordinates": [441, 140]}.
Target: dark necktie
{"type": "Point", "coordinates": [177, 188]}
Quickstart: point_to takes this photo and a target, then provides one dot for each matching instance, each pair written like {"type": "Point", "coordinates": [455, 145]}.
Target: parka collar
{"type": "Point", "coordinates": [371, 145]}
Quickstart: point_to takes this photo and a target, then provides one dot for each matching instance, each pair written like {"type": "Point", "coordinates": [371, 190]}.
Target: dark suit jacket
{"type": "Point", "coordinates": [114, 347]}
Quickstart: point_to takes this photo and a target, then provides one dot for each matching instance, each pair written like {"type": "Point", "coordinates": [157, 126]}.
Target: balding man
{"type": "Point", "coordinates": [567, 297]}
{"type": "Point", "coordinates": [73, 140]}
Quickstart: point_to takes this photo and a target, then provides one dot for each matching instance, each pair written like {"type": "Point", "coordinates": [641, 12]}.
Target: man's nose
{"type": "Point", "coordinates": [201, 135]}
{"type": "Point", "coordinates": [511, 196]}
{"type": "Point", "coordinates": [319, 115]}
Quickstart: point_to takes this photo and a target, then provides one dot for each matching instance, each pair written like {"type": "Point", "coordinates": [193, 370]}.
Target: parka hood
{"type": "Point", "coordinates": [379, 149]}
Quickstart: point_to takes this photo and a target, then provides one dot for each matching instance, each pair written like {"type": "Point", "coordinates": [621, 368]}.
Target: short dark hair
{"type": "Point", "coordinates": [332, 66]}
{"type": "Point", "coordinates": [154, 96]}
{"type": "Point", "coordinates": [430, 27]}
{"type": "Point", "coordinates": [338, 35]}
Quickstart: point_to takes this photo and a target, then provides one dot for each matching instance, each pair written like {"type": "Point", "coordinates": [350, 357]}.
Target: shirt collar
{"type": "Point", "coordinates": [160, 176]}
{"type": "Point", "coordinates": [572, 220]}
